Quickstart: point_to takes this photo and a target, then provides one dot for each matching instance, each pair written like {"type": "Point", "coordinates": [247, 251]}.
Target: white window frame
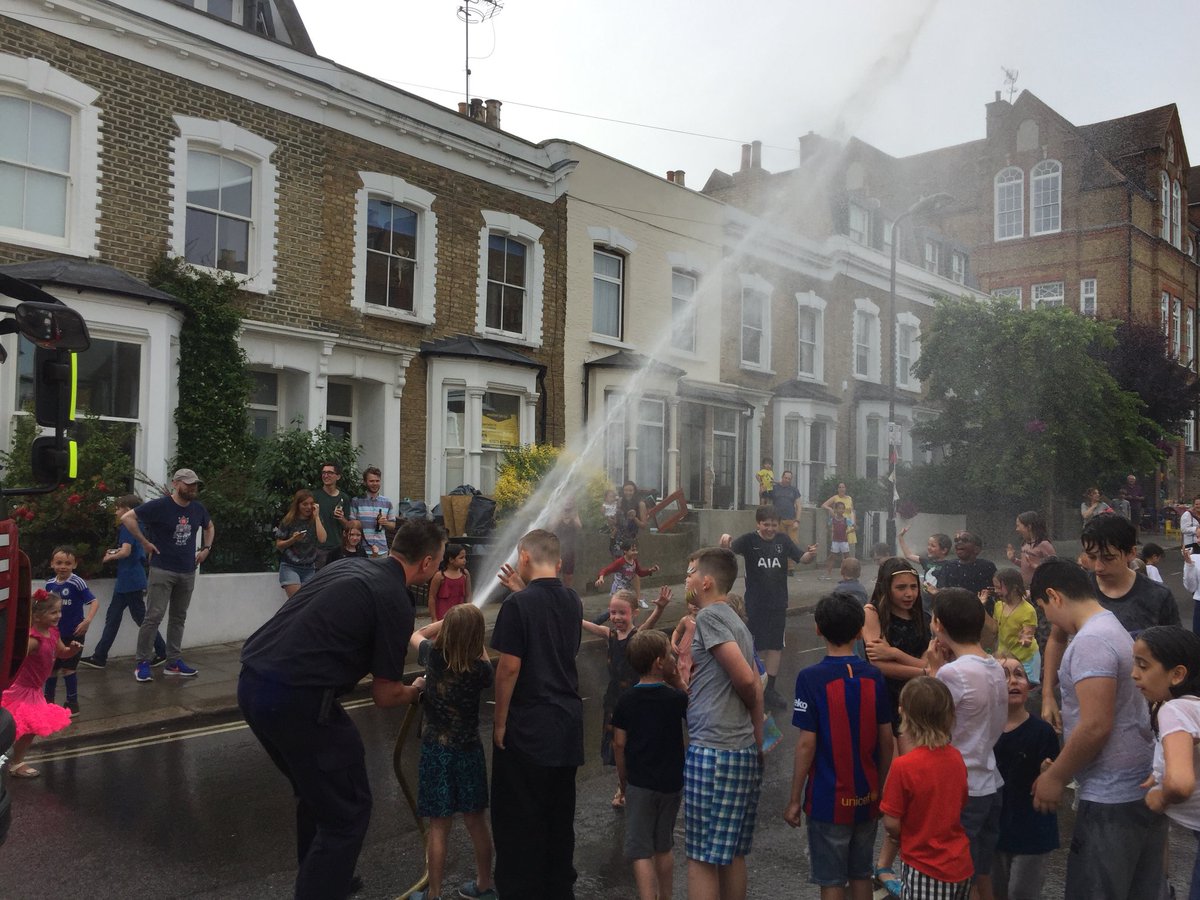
{"type": "Point", "coordinates": [684, 320]}
{"type": "Point", "coordinates": [513, 226]}
{"type": "Point", "coordinates": [809, 302]}
{"type": "Point", "coordinates": [1164, 204]}
{"type": "Point", "coordinates": [276, 409]}
{"type": "Point", "coordinates": [861, 235]}
{"type": "Point", "coordinates": [866, 316]}
{"type": "Point", "coordinates": [1011, 181]}
{"type": "Point", "coordinates": [1176, 215]}
{"type": "Point", "coordinates": [756, 285]}
{"type": "Point", "coordinates": [378, 186]}
{"type": "Point", "coordinates": [36, 81]}
{"type": "Point", "coordinates": [958, 267]}
{"type": "Point", "coordinates": [1176, 322]}
{"type": "Point", "coordinates": [1087, 296]}
{"type": "Point", "coordinates": [226, 139]}
{"type": "Point", "coordinates": [619, 281]}
{"type": "Point", "coordinates": [907, 323]}
{"type": "Point", "coordinates": [348, 420]}
{"type": "Point", "coordinates": [1009, 293]}
{"type": "Point", "coordinates": [644, 460]}
{"type": "Point", "coordinates": [1164, 314]}
{"type": "Point", "coordinates": [932, 255]}
{"type": "Point", "coordinates": [1045, 193]}
{"type": "Point", "coordinates": [1049, 294]}
{"type": "Point", "coordinates": [1190, 338]}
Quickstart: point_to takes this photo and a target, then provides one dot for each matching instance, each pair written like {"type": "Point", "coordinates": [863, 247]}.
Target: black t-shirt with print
{"type": "Point", "coordinates": [766, 566]}
{"type": "Point", "coordinates": [451, 699]}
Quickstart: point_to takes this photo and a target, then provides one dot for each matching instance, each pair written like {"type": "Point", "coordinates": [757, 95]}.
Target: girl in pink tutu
{"type": "Point", "coordinates": [24, 698]}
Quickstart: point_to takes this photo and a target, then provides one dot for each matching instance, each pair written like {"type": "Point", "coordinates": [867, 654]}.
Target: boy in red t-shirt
{"type": "Point", "coordinates": [924, 797]}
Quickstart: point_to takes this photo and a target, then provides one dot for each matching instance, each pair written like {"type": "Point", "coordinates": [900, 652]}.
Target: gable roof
{"type": "Point", "coordinates": [1132, 134]}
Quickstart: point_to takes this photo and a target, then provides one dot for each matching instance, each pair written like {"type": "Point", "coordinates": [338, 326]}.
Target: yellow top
{"type": "Point", "coordinates": [766, 479]}
{"type": "Point", "coordinates": [1011, 623]}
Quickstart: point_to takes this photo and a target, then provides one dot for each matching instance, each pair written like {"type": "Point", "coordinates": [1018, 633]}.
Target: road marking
{"type": "Point", "coordinates": [152, 739]}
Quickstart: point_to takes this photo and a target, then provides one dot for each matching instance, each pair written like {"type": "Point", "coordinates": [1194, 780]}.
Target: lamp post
{"type": "Point", "coordinates": [924, 205]}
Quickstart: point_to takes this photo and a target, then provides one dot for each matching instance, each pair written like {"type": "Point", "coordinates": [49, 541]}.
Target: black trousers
{"type": "Point", "coordinates": [312, 741]}
{"type": "Point", "coordinates": [533, 826]}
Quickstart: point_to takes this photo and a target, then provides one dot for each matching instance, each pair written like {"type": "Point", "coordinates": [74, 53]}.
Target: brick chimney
{"type": "Point", "coordinates": [809, 145]}
{"type": "Point", "coordinates": [997, 114]}
{"type": "Point", "coordinates": [671, 175]}
{"type": "Point", "coordinates": [464, 108]}
{"type": "Point", "coordinates": [493, 113]}
{"type": "Point", "coordinates": [477, 109]}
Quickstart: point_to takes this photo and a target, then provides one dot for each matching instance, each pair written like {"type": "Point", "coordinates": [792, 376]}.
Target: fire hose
{"type": "Point", "coordinates": [411, 723]}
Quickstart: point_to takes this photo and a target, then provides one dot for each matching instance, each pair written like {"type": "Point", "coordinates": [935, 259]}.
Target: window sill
{"type": "Point", "coordinates": [690, 355]}
{"type": "Point", "coordinates": [395, 315]}
{"type": "Point", "coordinates": [33, 241]}
{"type": "Point", "coordinates": [252, 283]}
{"type": "Point", "coordinates": [760, 370]}
{"type": "Point", "coordinates": [869, 379]}
{"type": "Point", "coordinates": [609, 341]}
{"type": "Point", "coordinates": [810, 379]}
{"type": "Point", "coordinates": [506, 337]}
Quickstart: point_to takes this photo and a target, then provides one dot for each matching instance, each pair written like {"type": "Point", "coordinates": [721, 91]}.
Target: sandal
{"type": "Point", "coordinates": [24, 771]}
{"type": "Point", "coordinates": [618, 800]}
{"type": "Point", "coordinates": [890, 884]}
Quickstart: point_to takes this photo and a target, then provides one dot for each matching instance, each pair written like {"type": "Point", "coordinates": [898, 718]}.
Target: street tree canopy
{"type": "Point", "coordinates": [1027, 411]}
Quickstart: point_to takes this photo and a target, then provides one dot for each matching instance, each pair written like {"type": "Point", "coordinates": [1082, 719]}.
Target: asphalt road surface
{"type": "Point", "coordinates": [204, 814]}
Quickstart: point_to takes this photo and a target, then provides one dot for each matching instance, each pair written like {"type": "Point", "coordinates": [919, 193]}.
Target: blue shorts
{"type": "Point", "coordinates": [841, 853]}
{"type": "Point", "coordinates": [980, 819]}
{"type": "Point", "coordinates": [289, 574]}
{"type": "Point", "coordinates": [720, 790]}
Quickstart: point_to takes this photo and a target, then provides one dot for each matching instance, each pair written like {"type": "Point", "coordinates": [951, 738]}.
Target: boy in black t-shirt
{"type": "Point", "coordinates": [648, 742]}
{"type": "Point", "coordinates": [766, 553]}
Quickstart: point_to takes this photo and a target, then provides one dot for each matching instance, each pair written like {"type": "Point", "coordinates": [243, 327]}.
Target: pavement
{"type": "Point", "coordinates": [113, 704]}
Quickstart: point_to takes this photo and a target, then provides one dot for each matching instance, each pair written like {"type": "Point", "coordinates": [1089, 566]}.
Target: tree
{"type": "Point", "coordinates": [1027, 410]}
{"type": "Point", "coordinates": [1139, 362]}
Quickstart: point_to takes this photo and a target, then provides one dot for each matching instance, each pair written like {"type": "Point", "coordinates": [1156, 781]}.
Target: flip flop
{"type": "Point", "coordinates": [891, 884]}
{"type": "Point", "coordinates": [24, 772]}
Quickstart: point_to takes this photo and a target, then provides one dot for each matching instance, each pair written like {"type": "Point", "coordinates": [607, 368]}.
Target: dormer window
{"type": "Point", "coordinates": [229, 10]}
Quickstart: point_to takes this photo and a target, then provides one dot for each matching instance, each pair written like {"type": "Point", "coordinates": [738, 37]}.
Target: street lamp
{"type": "Point", "coordinates": [929, 204]}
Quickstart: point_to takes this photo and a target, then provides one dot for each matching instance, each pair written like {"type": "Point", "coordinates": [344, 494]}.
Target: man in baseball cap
{"type": "Point", "coordinates": [167, 528]}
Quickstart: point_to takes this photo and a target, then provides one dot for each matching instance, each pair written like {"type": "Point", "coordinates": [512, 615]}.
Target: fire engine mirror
{"type": "Point", "coordinates": [52, 326]}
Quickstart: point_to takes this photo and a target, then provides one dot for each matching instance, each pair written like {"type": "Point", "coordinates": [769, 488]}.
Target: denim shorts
{"type": "Point", "coordinates": [840, 853]}
{"type": "Point", "coordinates": [289, 574]}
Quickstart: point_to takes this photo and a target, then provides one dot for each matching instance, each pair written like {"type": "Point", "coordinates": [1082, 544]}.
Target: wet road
{"type": "Point", "coordinates": [207, 816]}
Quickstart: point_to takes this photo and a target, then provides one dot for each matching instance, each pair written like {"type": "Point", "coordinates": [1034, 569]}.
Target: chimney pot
{"type": "Point", "coordinates": [493, 113]}
{"type": "Point", "coordinates": [477, 109]}
{"type": "Point", "coordinates": [679, 173]}
{"type": "Point", "coordinates": [745, 158]}
{"type": "Point", "coordinates": [464, 108]}
{"type": "Point", "coordinates": [671, 175]}
{"type": "Point", "coordinates": [997, 95]}
{"type": "Point", "coordinates": [756, 154]}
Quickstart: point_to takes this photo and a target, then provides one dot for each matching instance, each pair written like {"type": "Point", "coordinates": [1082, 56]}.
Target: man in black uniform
{"type": "Point", "coordinates": [354, 617]}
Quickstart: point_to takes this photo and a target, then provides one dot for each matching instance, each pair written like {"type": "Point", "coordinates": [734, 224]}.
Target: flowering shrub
{"type": "Point", "coordinates": [79, 514]}
{"type": "Point", "coordinates": [518, 474]}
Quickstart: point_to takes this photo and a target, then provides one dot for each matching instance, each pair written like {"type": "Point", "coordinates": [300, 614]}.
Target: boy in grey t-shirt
{"type": "Point", "coordinates": [725, 727]}
{"type": "Point", "coordinates": [1109, 747]}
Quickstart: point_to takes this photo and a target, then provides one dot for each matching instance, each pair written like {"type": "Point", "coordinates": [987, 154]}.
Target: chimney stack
{"type": "Point", "coordinates": [997, 113]}
{"type": "Point", "coordinates": [464, 108]}
{"type": "Point", "coordinates": [477, 109]}
{"type": "Point", "coordinates": [671, 175]}
{"type": "Point", "coordinates": [493, 113]}
{"type": "Point", "coordinates": [679, 173]}
{"type": "Point", "coordinates": [745, 158]}
{"type": "Point", "coordinates": [756, 154]}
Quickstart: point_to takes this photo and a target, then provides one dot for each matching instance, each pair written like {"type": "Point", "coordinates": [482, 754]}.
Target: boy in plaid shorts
{"type": "Point", "coordinates": [723, 770]}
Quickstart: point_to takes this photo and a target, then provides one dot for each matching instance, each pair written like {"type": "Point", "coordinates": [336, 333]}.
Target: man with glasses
{"type": "Point", "coordinates": [167, 528]}
{"type": "Point", "coordinates": [332, 504]}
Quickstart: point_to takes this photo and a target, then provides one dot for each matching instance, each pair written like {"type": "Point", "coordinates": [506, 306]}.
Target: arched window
{"type": "Point", "coordinates": [1010, 205]}
{"type": "Point", "coordinates": [1177, 215]}
{"type": "Point", "coordinates": [1164, 205]}
{"type": "Point", "coordinates": [1045, 197]}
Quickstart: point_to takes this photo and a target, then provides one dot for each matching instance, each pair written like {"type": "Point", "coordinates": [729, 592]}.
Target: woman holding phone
{"type": "Point", "coordinates": [297, 538]}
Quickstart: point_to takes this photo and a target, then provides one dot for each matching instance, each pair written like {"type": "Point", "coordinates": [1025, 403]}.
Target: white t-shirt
{"type": "Point", "coordinates": [980, 693]}
{"type": "Point", "coordinates": [1182, 714]}
{"type": "Point", "coordinates": [1153, 574]}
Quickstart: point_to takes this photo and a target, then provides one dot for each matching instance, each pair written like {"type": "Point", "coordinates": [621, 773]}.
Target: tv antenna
{"type": "Point", "coordinates": [1010, 81]}
{"type": "Point", "coordinates": [475, 12]}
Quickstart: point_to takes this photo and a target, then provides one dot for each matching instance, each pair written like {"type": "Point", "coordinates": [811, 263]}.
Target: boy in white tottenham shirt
{"type": "Point", "coordinates": [980, 690]}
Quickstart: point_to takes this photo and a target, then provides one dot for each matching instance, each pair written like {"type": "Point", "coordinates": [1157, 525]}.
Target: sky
{"type": "Point", "coordinates": [699, 79]}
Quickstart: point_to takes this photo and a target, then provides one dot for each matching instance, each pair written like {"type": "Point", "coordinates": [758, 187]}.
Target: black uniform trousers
{"type": "Point", "coordinates": [312, 741]}
{"type": "Point", "coordinates": [533, 826]}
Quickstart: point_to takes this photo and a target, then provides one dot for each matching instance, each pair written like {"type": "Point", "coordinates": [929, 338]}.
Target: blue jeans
{"type": "Point", "coordinates": [121, 601]}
